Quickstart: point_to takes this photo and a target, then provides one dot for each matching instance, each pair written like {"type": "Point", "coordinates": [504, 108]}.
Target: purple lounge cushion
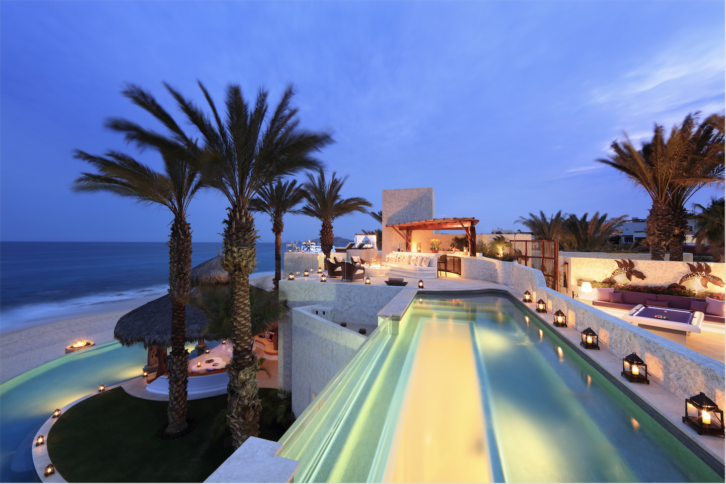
{"type": "Point", "coordinates": [652, 302]}
{"type": "Point", "coordinates": [678, 302]}
{"type": "Point", "coordinates": [603, 293]}
{"type": "Point", "coordinates": [697, 305]}
{"type": "Point", "coordinates": [395, 279]}
{"type": "Point", "coordinates": [714, 307]}
{"type": "Point", "coordinates": [630, 297]}
{"type": "Point", "coordinates": [616, 297]}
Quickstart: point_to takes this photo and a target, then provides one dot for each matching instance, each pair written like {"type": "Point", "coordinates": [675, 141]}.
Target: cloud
{"type": "Point", "coordinates": [583, 168]}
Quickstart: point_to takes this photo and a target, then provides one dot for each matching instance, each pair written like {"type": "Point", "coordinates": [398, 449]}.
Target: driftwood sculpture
{"type": "Point", "coordinates": [626, 267]}
{"type": "Point", "coordinates": [698, 271]}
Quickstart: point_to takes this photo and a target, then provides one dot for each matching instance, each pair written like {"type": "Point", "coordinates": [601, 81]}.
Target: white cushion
{"type": "Point", "coordinates": [714, 307]}
{"type": "Point", "coordinates": [603, 293]}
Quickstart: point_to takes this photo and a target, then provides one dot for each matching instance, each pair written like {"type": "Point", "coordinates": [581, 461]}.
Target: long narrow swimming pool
{"type": "Point", "coordinates": [476, 389]}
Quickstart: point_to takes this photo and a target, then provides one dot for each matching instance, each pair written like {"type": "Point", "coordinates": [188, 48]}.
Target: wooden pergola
{"type": "Point", "coordinates": [405, 230]}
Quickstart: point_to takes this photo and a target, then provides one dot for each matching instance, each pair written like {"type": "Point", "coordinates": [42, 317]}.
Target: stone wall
{"type": "Point", "coordinates": [321, 349]}
{"type": "Point", "coordinates": [657, 273]}
{"type": "Point", "coordinates": [401, 206]}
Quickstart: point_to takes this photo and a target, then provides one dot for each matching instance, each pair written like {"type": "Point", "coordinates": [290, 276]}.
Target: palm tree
{"type": "Point", "coordinates": [276, 200]}
{"type": "Point", "coordinates": [544, 228]}
{"type": "Point", "coordinates": [378, 217]}
{"type": "Point", "coordinates": [670, 171]}
{"type": "Point", "coordinates": [325, 203]}
{"type": "Point", "coordinates": [240, 155]}
{"type": "Point", "coordinates": [593, 234]}
{"type": "Point", "coordinates": [174, 189]}
{"type": "Point", "coordinates": [710, 226]}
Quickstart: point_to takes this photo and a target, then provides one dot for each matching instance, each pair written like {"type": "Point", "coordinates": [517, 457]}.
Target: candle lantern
{"type": "Point", "coordinates": [527, 297]}
{"type": "Point", "coordinates": [145, 374]}
{"type": "Point", "coordinates": [101, 388]}
{"type": "Point", "coordinates": [589, 340]}
{"type": "Point", "coordinates": [560, 319]}
{"type": "Point", "coordinates": [291, 277]}
{"type": "Point", "coordinates": [199, 364]}
{"type": "Point", "coordinates": [703, 414]}
{"type": "Point", "coordinates": [541, 306]}
{"type": "Point", "coordinates": [49, 470]}
{"type": "Point", "coordinates": [306, 273]}
{"type": "Point", "coordinates": [368, 280]}
{"type": "Point", "coordinates": [39, 441]}
{"type": "Point", "coordinates": [420, 284]}
{"type": "Point", "coordinates": [635, 369]}
{"type": "Point", "coordinates": [56, 413]}
{"type": "Point", "coordinates": [320, 270]}
{"type": "Point", "coordinates": [206, 351]}
{"type": "Point", "coordinates": [323, 278]}
{"type": "Point", "coordinates": [224, 341]}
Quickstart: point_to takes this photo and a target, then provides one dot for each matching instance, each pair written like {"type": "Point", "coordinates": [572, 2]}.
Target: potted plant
{"type": "Point", "coordinates": [435, 245]}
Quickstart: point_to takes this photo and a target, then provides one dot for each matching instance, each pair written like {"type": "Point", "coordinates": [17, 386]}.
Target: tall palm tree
{"type": "Point", "coordinates": [242, 154]}
{"type": "Point", "coordinates": [174, 189]}
{"type": "Point", "coordinates": [276, 200]}
{"type": "Point", "coordinates": [378, 217]}
{"type": "Point", "coordinates": [544, 228]}
{"type": "Point", "coordinates": [325, 204]}
{"type": "Point", "coordinates": [593, 234]}
{"type": "Point", "coordinates": [710, 226]}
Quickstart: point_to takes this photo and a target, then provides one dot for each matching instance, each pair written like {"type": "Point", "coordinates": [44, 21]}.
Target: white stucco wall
{"type": "Point", "coordinates": [299, 261]}
{"type": "Point", "coordinates": [401, 206]}
{"type": "Point", "coordinates": [687, 257]}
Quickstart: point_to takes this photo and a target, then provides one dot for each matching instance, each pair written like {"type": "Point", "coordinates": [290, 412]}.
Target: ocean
{"type": "Point", "coordinates": [47, 281]}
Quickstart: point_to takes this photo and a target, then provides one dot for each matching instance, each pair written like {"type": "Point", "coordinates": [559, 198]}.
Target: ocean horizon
{"type": "Point", "coordinates": [47, 281]}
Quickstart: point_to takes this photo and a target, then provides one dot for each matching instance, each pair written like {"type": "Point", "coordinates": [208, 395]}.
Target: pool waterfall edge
{"type": "Point", "coordinates": [386, 433]}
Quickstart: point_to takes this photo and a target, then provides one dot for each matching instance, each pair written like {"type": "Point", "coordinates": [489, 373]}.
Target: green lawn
{"type": "Point", "coordinates": [111, 437]}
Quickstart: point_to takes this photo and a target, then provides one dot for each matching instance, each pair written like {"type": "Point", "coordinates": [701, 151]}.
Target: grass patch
{"type": "Point", "coordinates": [111, 437]}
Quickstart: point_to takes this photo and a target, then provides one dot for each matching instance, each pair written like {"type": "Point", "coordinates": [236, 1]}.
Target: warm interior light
{"type": "Point", "coordinates": [291, 277]}
{"type": "Point", "coordinates": [306, 273]}
{"type": "Point", "coordinates": [559, 319]}
{"type": "Point", "coordinates": [40, 440]}
{"type": "Point", "coordinates": [586, 287]}
{"type": "Point", "coordinates": [145, 374]}
{"type": "Point", "coordinates": [589, 340]}
{"type": "Point", "coordinates": [420, 284]}
{"type": "Point", "coordinates": [207, 350]}
{"type": "Point", "coordinates": [224, 341]}
{"type": "Point", "coordinates": [320, 270]}
{"type": "Point", "coordinates": [368, 280]}
{"type": "Point", "coordinates": [199, 364]}
{"type": "Point", "coordinates": [323, 278]}
{"type": "Point", "coordinates": [636, 370]}
{"type": "Point", "coordinates": [706, 417]}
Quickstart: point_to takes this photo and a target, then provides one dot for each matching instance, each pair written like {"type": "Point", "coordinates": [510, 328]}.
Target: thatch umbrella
{"type": "Point", "coordinates": [210, 272]}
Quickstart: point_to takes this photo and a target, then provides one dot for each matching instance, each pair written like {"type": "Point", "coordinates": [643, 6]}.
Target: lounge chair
{"type": "Point", "coordinates": [334, 269]}
{"type": "Point", "coordinates": [352, 272]}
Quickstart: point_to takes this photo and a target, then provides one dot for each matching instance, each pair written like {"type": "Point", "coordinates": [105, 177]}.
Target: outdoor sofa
{"type": "Point", "coordinates": [713, 310]}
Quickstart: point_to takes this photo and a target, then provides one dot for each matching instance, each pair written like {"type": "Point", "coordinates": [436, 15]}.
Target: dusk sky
{"type": "Point", "coordinates": [501, 107]}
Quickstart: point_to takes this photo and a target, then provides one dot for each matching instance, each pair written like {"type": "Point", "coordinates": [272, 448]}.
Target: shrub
{"type": "Point", "coordinates": [660, 290]}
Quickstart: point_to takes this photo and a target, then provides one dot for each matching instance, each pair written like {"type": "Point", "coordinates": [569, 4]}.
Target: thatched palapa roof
{"type": "Point", "coordinates": [210, 272]}
{"type": "Point", "coordinates": [151, 324]}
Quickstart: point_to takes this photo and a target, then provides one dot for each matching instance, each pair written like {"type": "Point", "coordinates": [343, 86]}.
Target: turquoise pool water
{"type": "Point", "coordinates": [473, 389]}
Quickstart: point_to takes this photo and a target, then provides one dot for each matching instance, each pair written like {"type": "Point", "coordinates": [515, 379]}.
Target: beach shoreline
{"type": "Point", "coordinates": [24, 349]}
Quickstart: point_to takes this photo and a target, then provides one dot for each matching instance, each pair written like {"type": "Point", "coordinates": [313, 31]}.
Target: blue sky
{"type": "Point", "coordinates": [501, 107]}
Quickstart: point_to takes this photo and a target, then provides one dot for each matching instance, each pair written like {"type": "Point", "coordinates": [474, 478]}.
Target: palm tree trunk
{"type": "Point", "coordinates": [326, 237]}
{"type": "Point", "coordinates": [658, 229]}
{"type": "Point", "coordinates": [239, 260]}
{"type": "Point", "coordinates": [680, 225]}
{"type": "Point", "coordinates": [180, 256]}
{"type": "Point", "coordinates": [277, 229]}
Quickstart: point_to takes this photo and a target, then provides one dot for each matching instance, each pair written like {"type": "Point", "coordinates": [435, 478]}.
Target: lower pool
{"type": "Point", "coordinates": [476, 389]}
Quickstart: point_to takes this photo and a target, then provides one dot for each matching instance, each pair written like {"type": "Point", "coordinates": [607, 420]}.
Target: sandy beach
{"type": "Point", "coordinates": [28, 348]}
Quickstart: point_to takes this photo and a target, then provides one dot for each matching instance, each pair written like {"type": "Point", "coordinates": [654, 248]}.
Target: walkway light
{"type": "Point", "coordinates": [323, 278]}
{"type": "Point", "coordinates": [420, 284]}
{"type": "Point", "coordinates": [527, 297]}
{"type": "Point", "coordinates": [320, 270]}
{"type": "Point", "coordinates": [199, 364]}
{"type": "Point", "coordinates": [145, 374]}
{"type": "Point", "coordinates": [589, 340]}
{"type": "Point", "coordinates": [306, 273]}
{"type": "Point", "coordinates": [368, 280]}
{"type": "Point", "coordinates": [560, 319]}
{"type": "Point", "coordinates": [206, 351]}
{"type": "Point", "coordinates": [224, 341]}
{"type": "Point", "coordinates": [291, 277]}
{"type": "Point", "coordinates": [56, 413]}
{"type": "Point", "coordinates": [635, 369]}
{"type": "Point", "coordinates": [541, 306]}
{"type": "Point", "coordinates": [101, 388]}
{"type": "Point", "coordinates": [39, 441]}
{"type": "Point", "coordinates": [49, 470]}
{"type": "Point", "coordinates": [703, 414]}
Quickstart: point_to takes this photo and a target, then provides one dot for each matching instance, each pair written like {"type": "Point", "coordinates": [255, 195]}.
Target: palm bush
{"type": "Point", "coordinates": [544, 228]}
{"type": "Point", "coordinates": [174, 189]}
{"type": "Point", "coordinates": [378, 217]}
{"type": "Point", "coordinates": [590, 235]}
{"type": "Point", "coordinates": [325, 203]}
{"type": "Point", "coordinates": [710, 227]}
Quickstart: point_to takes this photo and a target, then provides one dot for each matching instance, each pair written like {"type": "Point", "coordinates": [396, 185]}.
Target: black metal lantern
{"type": "Point", "coordinates": [306, 273]}
{"type": "Point", "coordinates": [291, 277]}
{"type": "Point", "coordinates": [49, 470]}
{"type": "Point", "coordinates": [323, 278]}
{"type": "Point", "coordinates": [368, 280]}
{"type": "Point", "coordinates": [420, 284]}
{"type": "Point", "coordinates": [560, 319]}
{"type": "Point", "coordinates": [39, 441]}
{"type": "Point", "coordinates": [101, 388]}
{"type": "Point", "coordinates": [541, 306]}
{"type": "Point", "coordinates": [703, 414]}
{"type": "Point", "coordinates": [206, 351]}
{"type": "Point", "coordinates": [56, 413]}
{"type": "Point", "coordinates": [320, 270]}
{"type": "Point", "coordinates": [527, 297]}
{"type": "Point", "coordinates": [589, 340]}
{"type": "Point", "coordinates": [145, 374]}
{"type": "Point", "coordinates": [635, 369]}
